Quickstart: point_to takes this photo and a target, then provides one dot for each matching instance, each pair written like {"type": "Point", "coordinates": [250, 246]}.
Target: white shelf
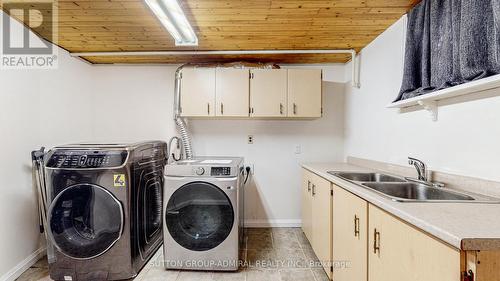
{"type": "Point", "coordinates": [430, 101]}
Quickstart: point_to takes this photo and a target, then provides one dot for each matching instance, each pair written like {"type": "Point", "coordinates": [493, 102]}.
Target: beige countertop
{"type": "Point", "coordinates": [466, 226]}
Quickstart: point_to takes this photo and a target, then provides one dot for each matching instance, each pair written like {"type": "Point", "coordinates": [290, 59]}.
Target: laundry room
{"type": "Point", "coordinates": [249, 140]}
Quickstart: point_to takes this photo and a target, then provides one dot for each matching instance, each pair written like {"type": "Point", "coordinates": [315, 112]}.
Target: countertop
{"type": "Point", "coordinates": [465, 226]}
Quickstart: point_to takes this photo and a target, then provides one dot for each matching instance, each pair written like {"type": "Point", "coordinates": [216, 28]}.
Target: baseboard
{"type": "Point", "coordinates": [272, 223]}
{"type": "Point", "coordinates": [21, 267]}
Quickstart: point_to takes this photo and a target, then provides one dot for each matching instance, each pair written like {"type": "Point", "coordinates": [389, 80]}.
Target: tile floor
{"type": "Point", "coordinates": [271, 254]}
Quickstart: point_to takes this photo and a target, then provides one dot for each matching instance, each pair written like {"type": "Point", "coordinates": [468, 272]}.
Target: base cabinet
{"type": "Point", "coordinates": [398, 251]}
{"type": "Point", "coordinates": [321, 222]}
{"type": "Point", "coordinates": [316, 216]}
{"type": "Point", "coordinates": [365, 243]}
{"type": "Point", "coordinates": [350, 229]}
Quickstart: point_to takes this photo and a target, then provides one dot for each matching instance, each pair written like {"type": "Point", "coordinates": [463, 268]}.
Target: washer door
{"type": "Point", "coordinates": [85, 220]}
{"type": "Point", "coordinates": [199, 216]}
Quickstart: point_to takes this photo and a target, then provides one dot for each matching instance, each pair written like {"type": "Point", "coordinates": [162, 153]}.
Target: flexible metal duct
{"type": "Point", "coordinates": [181, 125]}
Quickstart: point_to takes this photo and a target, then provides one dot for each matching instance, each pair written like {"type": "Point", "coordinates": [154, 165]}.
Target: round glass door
{"type": "Point", "coordinates": [85, 221]}
{"type": "Point", "coordinates": [199, 216]}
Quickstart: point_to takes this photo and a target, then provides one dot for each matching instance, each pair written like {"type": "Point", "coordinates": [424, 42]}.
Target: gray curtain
{"type": "Point", "coordinates": [450, 42]}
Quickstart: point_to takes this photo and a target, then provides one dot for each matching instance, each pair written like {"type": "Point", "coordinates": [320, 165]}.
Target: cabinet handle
{"type": "Point", "coordinates": [221, 108]}
{"type": "Point", "coordinates": [308, 186]}
{"type": "Point", "coordinates": [208, 108]}
{"type": "Point", "coordinates": [376, 241]}
{"type": "Point", "coordinates": [294, 109]}
{"type": "Point", "coordinates": [313, 189]}
{"type": "Point", "coordinates": [356, 226]}
{"type": "Point", "coordinates": [281, 109]}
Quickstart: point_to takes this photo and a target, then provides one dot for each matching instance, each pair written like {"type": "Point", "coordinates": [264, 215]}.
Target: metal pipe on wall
{"type": "Point", "coordinates": [355, 64]}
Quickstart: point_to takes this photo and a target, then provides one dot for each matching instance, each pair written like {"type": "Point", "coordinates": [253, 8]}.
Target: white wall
{"type": "Point", "coordinates": [463, 141]}
{"type": "Point", "coordinates": [133, 103]}
{"type": "Point", "coordinates": [273, 197]}
{"type": "Point", "coordinates": [37, 107]}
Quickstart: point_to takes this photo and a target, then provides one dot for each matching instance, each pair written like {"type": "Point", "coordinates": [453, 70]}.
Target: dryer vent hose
{"type": "Point", "coordinates": [185, 138]}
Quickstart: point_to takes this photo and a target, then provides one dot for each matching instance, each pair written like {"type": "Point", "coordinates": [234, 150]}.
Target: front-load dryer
{"type": "Point", "coordinates": [203, 204]}
{"type": "Point", "coordinates": [105, 218]}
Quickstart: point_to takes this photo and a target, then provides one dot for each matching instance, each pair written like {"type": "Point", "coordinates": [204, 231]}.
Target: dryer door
{"type": "Point", "coordinates": [85, 220]}
{"type": "Point", "coordinates": [199, 216]}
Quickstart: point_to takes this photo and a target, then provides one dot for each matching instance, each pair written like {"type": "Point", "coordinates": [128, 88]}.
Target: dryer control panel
{"type": "Point", "coordinates": [87, 159]}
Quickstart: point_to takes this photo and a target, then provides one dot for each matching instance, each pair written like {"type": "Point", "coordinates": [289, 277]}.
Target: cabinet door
{"type": "Point", "coordinates": [321, 221]}
{"type": "Point", "coordinates": [304, 93]}
{"type": "Point", "coordinates": [268, 92]}
{"type": "Point", "coordinates": [349, 231]}
{"type": "Point", "coordinates": [198, 92]}
{"type": "Point", "coordinates": [232, 92]}
{"type": "Point", "coordinates": [397, 251]}
{"type": "Point", "coordinates": [306, 204]}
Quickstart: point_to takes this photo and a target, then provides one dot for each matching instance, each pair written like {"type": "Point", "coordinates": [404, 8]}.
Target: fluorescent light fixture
{"type": "Point", "coordinates": [170, 14]}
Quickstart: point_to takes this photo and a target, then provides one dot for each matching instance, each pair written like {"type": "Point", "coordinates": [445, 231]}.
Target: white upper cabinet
{"type": "Point", "coordinates": [268, 93]}
{"type": "Point", "coordinates": [257, 93]}
{"type": "Point", "coordinates": [232, 92]}
{"type": "Point", "coordinates": [198, 92]}
{"type": "Point", "coordinates": [304, 93]}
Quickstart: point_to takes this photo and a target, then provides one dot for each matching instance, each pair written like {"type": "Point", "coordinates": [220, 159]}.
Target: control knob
{"type": "Point", "coordinates": [200, 171]}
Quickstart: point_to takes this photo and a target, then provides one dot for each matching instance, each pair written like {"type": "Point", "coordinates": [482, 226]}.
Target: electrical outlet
{"type": "Point", "coordinates": [298, 149]}
{"type": "Point", "coordinates": [252, 168]}
{"type": "Point", "coordinates": [250, 139]}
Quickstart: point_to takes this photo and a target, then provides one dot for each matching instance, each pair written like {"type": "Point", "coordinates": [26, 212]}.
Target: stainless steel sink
{"type": "Point", "coordinates": [416, 192]}
{"type": "Point", "coordinates": [367, 177]}
{"type": "Point", "coordinates": [402, 190]}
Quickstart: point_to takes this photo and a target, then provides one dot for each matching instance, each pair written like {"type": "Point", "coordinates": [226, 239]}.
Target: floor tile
{"type": "Point", "coordinates": [41, 263]}
{"type": "Point", "coordinates": [258, 243]}
{"type": "Point", "coordinates": [265, 258]}
{"type": "Point", "coordinates": [229, 276]}
{"type": "Point", "coordinates": [34, 274]}
{"type": "Point", "coordinates": [296, 275]}
{"type": "Point", "coordinates": [273, 255]}
{"type": "Point", "coordinates": [320, 274]}
{"type": "Point", "coordinates": [195, 276]}
{"type": "Point", "coordinates": [291, 258]}
{"type": "Point", "coordinates": [301, 237]}
{"type": "Point", "coordinates": [258, 231]}
{"type": "Point", "coordinates": [160, 274]}
{"type": "Point", "coordinates": [259, 274]}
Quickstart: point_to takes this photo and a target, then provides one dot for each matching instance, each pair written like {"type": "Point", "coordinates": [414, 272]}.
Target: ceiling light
{"type": "Point", "coordinates": [170, 14]}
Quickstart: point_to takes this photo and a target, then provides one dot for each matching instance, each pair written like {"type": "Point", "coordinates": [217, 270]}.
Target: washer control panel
{"type": "Point", "coordinates": [86, 159]}
{"type": "Point", "coordinates": [220, 171]}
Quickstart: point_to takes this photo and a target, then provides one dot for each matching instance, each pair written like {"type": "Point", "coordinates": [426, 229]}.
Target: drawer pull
{"type": "Point", "coordinates": [356, 226]}
{"type": "Point", "coordinates": [281, 108]}
{"type": "Point", "coordinates": [308, 186]}
{"type": "Point", "coordinates": [208, 108]}
{"type": "Point", "coordinates": [294, 109]}
{"type": "Point", "coordinates": [376, 242]}
{"type": "Point", "coordinates": [313, 189]}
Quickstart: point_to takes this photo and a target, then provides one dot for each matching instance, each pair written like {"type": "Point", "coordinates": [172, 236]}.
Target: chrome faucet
{"type": "Point", "coordinates": [421, 168]}
{"type": "Point", "coordinates": [423, 176]}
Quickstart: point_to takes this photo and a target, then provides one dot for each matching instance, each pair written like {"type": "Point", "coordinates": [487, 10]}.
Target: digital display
{"type": "Point", "coordinates": [221, 171]}
{"type": "Point", "coordinates": [86, 159]}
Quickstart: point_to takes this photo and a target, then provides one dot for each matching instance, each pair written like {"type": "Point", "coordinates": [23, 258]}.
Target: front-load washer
{"type": "Point", "coordinates": [105, 216]}
{"type": "Point", "coordinates": [203, 204]}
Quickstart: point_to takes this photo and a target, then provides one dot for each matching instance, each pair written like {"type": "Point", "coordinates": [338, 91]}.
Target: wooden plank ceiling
{"type": "Point", "coordinates": [129, 25]}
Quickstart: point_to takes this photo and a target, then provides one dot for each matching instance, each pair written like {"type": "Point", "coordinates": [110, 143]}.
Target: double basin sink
{"type": "Point", "coordinates": [402, 190]}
